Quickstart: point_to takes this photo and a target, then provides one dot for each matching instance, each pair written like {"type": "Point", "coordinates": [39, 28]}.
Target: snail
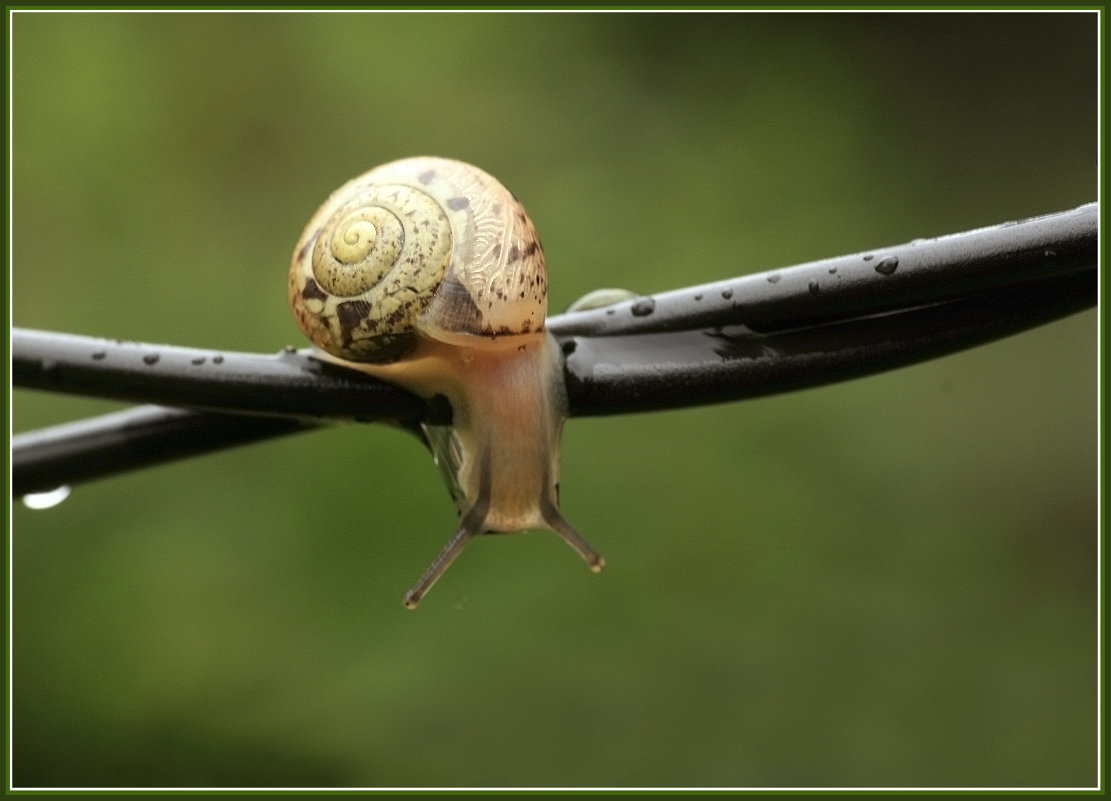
{"type": "Point", "coordinates": [427, 273]}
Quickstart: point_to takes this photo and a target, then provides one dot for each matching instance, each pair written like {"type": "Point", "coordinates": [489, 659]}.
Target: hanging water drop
{"type": "Point", "coordinates": [46, 500]}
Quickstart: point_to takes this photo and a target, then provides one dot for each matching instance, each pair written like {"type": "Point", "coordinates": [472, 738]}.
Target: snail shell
{"type": "Point", "coordinates": [428, 273]}
{"type": "Point", "coordinates": [416, 247]}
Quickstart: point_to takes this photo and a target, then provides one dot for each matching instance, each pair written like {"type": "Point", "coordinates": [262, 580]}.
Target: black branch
{"type": "Point", "coordinates": [759, 334]}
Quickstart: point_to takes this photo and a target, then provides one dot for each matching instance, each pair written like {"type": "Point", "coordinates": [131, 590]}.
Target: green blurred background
{"type": "Point", "coordinates": [890, 581]}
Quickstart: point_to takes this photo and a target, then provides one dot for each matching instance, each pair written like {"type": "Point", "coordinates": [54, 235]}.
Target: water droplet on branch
{"type": "Point", "coordinates": [46, 500]}
{"type": "Point", "coordinates": [887, 266]}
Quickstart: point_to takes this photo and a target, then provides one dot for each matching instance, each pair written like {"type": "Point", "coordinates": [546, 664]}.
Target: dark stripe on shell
{"type": "Point", "coordinates": [458, 305]}
{"type": "Point", "coordinates": [312, 291]}
{"type": "Point", "coordinates": [351, 315]}
{"type": "Point", "coordinates": [383, 348]}
{"type": "Point", "coordinates": [305, 248]}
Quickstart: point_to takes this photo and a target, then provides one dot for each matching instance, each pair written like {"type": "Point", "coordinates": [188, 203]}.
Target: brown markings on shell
{"type": "Point", "coordinates": [391, 319]}
{"type": "Point", "coordinates": [351, 314]}
{"type": "Point", "coordinates": [517, 253]}
{"type": "Point", "coordinates": [312, 290]}
{"type": "Point", "coordinates": [305, 248]}
{"type": "Point", "coordinates": [381, 348]}
{"type": "Point", "coordinates": [352, 321]}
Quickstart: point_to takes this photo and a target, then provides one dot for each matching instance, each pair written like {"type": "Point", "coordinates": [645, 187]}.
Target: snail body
{"type": "Point", "coordinates": [428, 273]}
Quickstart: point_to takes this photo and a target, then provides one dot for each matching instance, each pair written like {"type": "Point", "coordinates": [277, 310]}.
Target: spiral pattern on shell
{"type": "Point", "coordinates": [422, 246]}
